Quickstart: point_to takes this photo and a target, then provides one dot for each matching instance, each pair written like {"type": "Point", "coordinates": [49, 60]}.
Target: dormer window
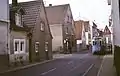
{"type": "Point", "coordinates": [18, 19]}
{"type": "Point", "coordinates": [42, 26]}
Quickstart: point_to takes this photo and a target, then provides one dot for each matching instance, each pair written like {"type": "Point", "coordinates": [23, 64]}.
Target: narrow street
{"type": "Point", "coordinates": [78, 64]}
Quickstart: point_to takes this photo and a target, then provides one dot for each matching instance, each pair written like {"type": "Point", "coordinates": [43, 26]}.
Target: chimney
{"type": "Point", "coordinates": [14, 2]}
{"type": "Point", "coordinates": [50, 4]}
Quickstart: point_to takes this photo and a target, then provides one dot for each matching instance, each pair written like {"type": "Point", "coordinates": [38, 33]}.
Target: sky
{"type": "Point", "coordinates": [92, 10]}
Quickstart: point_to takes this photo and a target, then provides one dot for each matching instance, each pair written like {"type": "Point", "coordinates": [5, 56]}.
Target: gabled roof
{"type": "Point", "coordinates": [13, 10]}
{"type": "Point", "coordinates": [34, 13]}
{"type": "Point", "coordinates": [106, 30]}
{"type": "Point", "coordinates": [56, 14]}
{"type": "Point", "coordinates": [32, 9]}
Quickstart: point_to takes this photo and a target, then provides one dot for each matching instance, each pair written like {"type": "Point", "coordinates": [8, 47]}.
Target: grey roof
{"type": "Point", "coordinates": [56, 14]}
{"type": "Point", "coordinates": [32, 11]}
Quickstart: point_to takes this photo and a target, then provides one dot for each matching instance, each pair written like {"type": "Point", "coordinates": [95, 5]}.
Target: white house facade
{"type": "Point", "coordinates": [115, 15]}
{"type": "Point", "coordinates": [57, 33]}
{"type": "Point", "coordinates": [4, 32]}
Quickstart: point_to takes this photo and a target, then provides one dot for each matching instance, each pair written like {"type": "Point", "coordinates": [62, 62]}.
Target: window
{"type": "Point", "coordinates": [16, 45]}
{"type": "Point", "coordinates": [46, 46]}
{"type": "Point", "coordinates": [42, 27]}
{"type": "Point", "coordinates": [22, 46]}
{"type": "Point", "coordinates": [18, 19]}
{"type": "Point", "coordinates": [19, 46]}
{"type": "Point", "coordinates": [94, 42]}
{"type": "Point", "coordinates": [66, 30]}
{"type": "Point", "coordinates": [36, 47]}
{"type": "Point", "coordinates": [67, 19]}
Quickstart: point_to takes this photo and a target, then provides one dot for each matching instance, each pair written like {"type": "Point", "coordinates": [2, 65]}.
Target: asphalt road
{"type": "Point", "coordinates": [83, 64]}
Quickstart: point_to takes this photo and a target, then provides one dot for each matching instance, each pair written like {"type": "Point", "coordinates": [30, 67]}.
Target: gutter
{"type": "Point", "coordinates": [6, 21]}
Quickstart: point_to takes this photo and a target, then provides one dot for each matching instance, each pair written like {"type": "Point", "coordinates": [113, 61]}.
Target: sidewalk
{"type": "Point", "coordinates": [55, 56]}
{"type": "Point", "coordinates": [107, 68]}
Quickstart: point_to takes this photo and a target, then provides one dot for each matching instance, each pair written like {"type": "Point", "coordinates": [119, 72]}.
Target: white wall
{"type": "Point", "coordinates": [57, 40]}
{"type": "Point", "coordinates": [116, 23]}
{"type": "Point", "coordinates": [4, 10]}
{"type": "Point", "coordinates": [4, 26]}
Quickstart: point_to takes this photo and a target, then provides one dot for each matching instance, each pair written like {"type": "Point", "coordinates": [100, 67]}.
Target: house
{"type": "Point", "coordinates": [115, 16]}
{"type": "Point", "coordinates": [87, 32]}
{"type": "Point", "coordinates": [100, 32]}
{"type": "Point", "coordinates": [30, 36]}
{"type": "Point", "coordinates": [19, 41]}
{"type": "Point", "coordinates": [40, 37]}
{"type": "Point", "coordinates": [107, 35]}
{"type": "Point", "coordinates": [83, 34]}
{"type": "Point", "coordinates": [4, 33]}
{"type": "Point", "coordinates": [94, 30]}
{"type": "Point", "coordinates": [62, 26]}
{"type": "Point", "coordinates": [80, 35]}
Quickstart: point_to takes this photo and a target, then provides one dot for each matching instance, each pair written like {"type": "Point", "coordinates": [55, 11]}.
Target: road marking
{"type": "Point", "coordinates": [98, 74]}
{"type": "Point", "coordinates": [48, 71]}
{"type": "Point", "coordinates": [70, 62]}
{"type": "Point", "coordinates": [88, 69]}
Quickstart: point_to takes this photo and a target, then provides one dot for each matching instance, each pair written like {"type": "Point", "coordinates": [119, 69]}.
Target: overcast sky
{"type": "Point", "coordinates": [97, 10]}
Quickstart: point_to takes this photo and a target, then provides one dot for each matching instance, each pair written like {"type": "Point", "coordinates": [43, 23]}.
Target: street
{"type": "Point", "coordinates": [77, 64]}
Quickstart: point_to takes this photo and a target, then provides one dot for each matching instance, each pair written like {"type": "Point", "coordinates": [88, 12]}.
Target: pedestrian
{"type": "Point", "coordinates": [87, 47]}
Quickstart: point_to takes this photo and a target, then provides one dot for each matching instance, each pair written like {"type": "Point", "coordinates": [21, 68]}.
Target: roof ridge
{"type": "Point", "coordinates": [29, 1]}
{"type": "Point", "coordinates": [57, 5]}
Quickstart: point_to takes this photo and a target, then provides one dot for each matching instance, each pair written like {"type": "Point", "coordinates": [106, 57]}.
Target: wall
{"type": "Point", "coordinates": [4, 26]}
{"type": "Point", "coordinates": [3, 38]}
{"type": "Point", "coordinates": [57, 41]}
{"type": "Point", "coordinates": [116, 34]}
{"type": "Point", "coordinates": [116, 23]}
{"type": "Point", "coordinates": [3, 43]}
{"type": "Point", "coordinates": [18, 35]}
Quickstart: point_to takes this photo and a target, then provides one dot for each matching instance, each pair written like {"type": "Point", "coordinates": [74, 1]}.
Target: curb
{"type": "Point", "coordinates": [27, 66]}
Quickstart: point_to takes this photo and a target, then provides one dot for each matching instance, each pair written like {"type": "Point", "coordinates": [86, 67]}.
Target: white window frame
{"type": "Point", "coordinates": [19, 46]}
{"type": "Point", "coordinates": [37, 43]}
{"type": "Point", "coordinates": [18, 19]}
{"type": "Point", "coordinates": [46, 46]}
{"type": "Point", "coordinates": [42, 26]}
